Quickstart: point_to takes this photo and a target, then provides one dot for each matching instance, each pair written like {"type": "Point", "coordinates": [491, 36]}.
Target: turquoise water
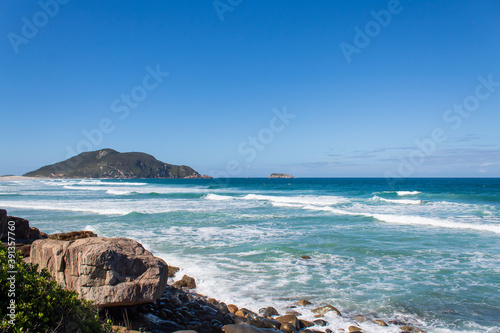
{"type": "Point", "coordinates": [425, 252]}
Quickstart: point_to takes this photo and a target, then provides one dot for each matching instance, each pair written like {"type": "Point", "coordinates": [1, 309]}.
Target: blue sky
{"type": "Point", "coordinates": [246, 88]}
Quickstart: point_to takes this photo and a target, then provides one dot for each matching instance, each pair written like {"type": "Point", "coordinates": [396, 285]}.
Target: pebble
{"type": "Point", "coordinates": [232, 308]}
{"type": "Point", "coordinates": [411, 329]}
{"type": "Point", "coordinates": [326, 308]}
{"type": "Point", "coordinates": [360, 318]}
{"type": "Point", "coordinates": [303, 302]}
{"type": "Point", "coordinates": [320, 322]}
{"type": "Point", "coordinates": [180, 310]}
{"type": "Point", "coordinates": [379, 322]}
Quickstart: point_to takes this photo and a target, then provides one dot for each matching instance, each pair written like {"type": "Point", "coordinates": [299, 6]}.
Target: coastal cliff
{"type": "Point", "coordinates": [108, 163]}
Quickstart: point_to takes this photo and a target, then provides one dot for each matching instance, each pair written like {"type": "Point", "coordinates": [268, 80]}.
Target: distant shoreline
{"type": "Point", "coordinates": [19, 178]}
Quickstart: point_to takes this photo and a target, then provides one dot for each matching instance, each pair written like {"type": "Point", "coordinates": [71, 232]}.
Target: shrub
{"type": "Point", "coordinates": [41, 305]}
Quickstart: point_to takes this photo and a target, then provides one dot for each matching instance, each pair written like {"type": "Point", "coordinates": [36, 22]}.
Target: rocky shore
{"type": "Point", "coordinates": [129, 285]}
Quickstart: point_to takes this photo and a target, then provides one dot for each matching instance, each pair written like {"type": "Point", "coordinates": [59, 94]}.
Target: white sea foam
{"type": "Point", "coordinates": [112, 207]}
{"type": "Point", "coordinates": [300, 199]}
{"type": "Point", "coordinates": [398, 201]}
{"type": "Point", "coordinates": [435, 222]}
{"type": "Point", "coordinates": [409, 219]}
{"type": "Point", "coordinates": [119, 192]}
{"type": "Point", "coordinates": [403, 193]}
{"type": "Point", "coordinates": [283, 201]}
{"type": "Point", "coordinates": [107, 183]}
{"type": "Point", "coordinates": [217, 197]}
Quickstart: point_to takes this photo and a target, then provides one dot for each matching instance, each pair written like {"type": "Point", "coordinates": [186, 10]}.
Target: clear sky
{"type": "Point", "coordinates": [248, 87]}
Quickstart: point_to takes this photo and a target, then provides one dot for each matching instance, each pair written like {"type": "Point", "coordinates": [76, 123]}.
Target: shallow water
{"type": "Point", "coordinates": [425, 252]}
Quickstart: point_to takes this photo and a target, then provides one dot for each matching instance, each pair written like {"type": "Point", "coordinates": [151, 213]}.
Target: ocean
{"type": "Point", "coordinates": [423, 251]}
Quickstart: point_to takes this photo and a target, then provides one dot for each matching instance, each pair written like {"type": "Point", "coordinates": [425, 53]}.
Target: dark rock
{"type": "Point", "coordinates": [21, 228]}
{"type": "Point", "coordinates": [156, 323]}
{"type": "Point", "coordinates": [229, 319]}
{"type": "Point", "coordinates": [35, 234]}
{"type": "Point", "coordinates": [246, 329]}
{"type": "Point", "coordinates": [305, 323]}
{"type": "Point", "coordinates": [354, 329]}
{"type": "Point", "coordinates": [288, 328]}
{"type": "Point", "coordinates": [165, 314]}
{"type": "Point", "coordinates": [306, 257]}
{"type": "Point", "coordinates": [320, 322]}
{"type": "Point", "coordinates": [271, 323]}
{"type": "Point", "coordinates": [210, 311]}
{"type": "Point", "coordinates": [196, 326]}
{"type": "Point", "coordinates": [175, 300]}
{"type": "Point", "coordinates": [268, 312]}
{"type": "Point", "coordinates": [24, 249]}
{"type": "Point", "coordinates": [74, 235]}
{"type": "Point", "coordinates": [3, 215]}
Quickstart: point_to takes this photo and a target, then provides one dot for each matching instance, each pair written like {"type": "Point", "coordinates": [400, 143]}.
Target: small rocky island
{"type": "Point", "coordinates": [280, 175]}
{"type": "Point", "coordinates": [108, 163]}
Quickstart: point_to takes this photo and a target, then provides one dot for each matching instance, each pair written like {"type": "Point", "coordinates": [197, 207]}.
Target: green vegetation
{"type": "Point", "coordinates": [108, 163]}
{"type": "Point", "coordinates": [40, 304]}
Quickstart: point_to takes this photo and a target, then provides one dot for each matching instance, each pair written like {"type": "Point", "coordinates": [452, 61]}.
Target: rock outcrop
{"type": "Point", "coordinates": [108, 163]}
{"type": "Point", "coordinates": [108, 271]}
{"type": "Point", "coordinates": [20, 232]}
{"type": "Point", "coordinates": [280, 175]}
{"type": "Point", "coordinates": [73, 235]}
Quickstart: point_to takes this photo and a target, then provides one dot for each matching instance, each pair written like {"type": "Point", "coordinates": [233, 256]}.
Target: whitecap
{"type": "Point", "coordinates": [399, 201]}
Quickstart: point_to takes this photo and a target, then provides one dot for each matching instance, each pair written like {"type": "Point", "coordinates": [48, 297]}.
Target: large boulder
{"type": "Point", "coordinates": [21, 227]}
{"type": "Point", "coordinates": [108, 271]}
{"type": "Point", "coordinates": [18, 230]}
